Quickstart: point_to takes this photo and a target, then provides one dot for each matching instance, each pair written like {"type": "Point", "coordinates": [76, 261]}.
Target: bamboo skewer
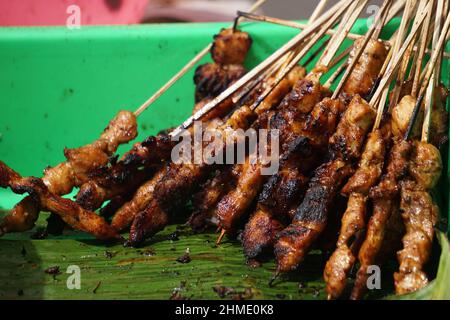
{"type": "Point", "coordinates": [359, 52]}
{"type": "Point", "coordinates": [316, 13]}
{"type": "Point", "coordinates": [434, 76]}
{"type": "Point", "coordinates": [393, 65]}
{"type": "Point", "coordinates": [184, 70]}
{"type": "Point", "coordinates": [421, 52]}
{"type": "Point", "coordinates": [416, 72]}
{"type": "Point", "coordinates": [404, 65]}
{"type": "Point", "coordinates": [301, 26]}
{"type": "Point", "coordinates": [335, 75]}
{"type": "Point", "coordinates": [299, 56]}
{"type": "Point", "coordinates": [429, 71]}
{"type": "Point", "coordinates": [250, 75]}
{"type": "Point", "coordinates": [284, 62]}
{"type": "Point", "coordinates": [399, 37]}
{"type": "Point", "coordinates": [342, 31]}
{"type": "Point", "coordinates": [318, 10]}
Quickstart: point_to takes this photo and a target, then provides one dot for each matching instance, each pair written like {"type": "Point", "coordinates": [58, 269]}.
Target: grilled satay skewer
{"type": "Point", "coordinates": [291, 186]}
{"type": "Point", "coordinates": [357, 190]}
{"type": "Point", "coordinates": [418, 210]}
{"type": "Point", "coordinates": [231, 208]}
{"type": "Point", "coordinates": [180, 179]}
{"type": "Point", "coordinates": [74, 171]}
{"type": "Point", "coordinates": [259, 235]}
{"type": "Point", "coordinates": [311, 217]}
{"type": "Point", "coordinates": [224, 182]}
{"type": "Point", "coordinates": [80, 162]}
{"type": "Point", "coordinates": [210, 79]}
{"type": "Point", "coordinates": [69, 211]}
{"type": "Point", "coordinates": [385, 194]}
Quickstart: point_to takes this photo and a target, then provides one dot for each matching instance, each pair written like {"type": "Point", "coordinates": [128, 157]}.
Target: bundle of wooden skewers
{"type": "Point", "coordinates": [356, 164]}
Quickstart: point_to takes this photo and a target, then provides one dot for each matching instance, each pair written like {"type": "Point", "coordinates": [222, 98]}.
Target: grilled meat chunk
{"type": "Point", "coordinates": [401, 114]}
{"type": "Point", "coordinates": [366, 71]}
{"type": "Point", "coordinates": [352, 128]}
{"type": "Point", "coordinates": [283, 191]}
{"type": "Point", "coordinates": [148, 222]}
{"type": "Point", "coordinates": [311, 217]}
{"type": "Point", "coordinates": [343, 258]}
{"type": "Point", "coordinates": [207, 198]}
{"type": "Point", "coordinates": [230, 47]}
{"type": "Point", "coordinates": [439, 117]}
{"type": "Point", "coordinates": [141, 199]}
{"type": "Point", "coordinates": [370, 166]}
{"type": "Point", "coordinates": [425, 166]}
{"type": "Point", "coordinates": [211, 79]}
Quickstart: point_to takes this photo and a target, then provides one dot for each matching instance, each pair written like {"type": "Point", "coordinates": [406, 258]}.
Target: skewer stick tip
{"type": "Point", "coordinates": [219, 239]}
{"type": "Point", "coordinates": [274, 277]}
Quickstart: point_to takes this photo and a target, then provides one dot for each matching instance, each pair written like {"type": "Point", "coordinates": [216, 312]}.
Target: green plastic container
{"type": "Point", "coordinates": [60, 87]}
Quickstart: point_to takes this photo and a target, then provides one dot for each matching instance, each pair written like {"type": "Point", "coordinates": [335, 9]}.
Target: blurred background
{"type": "Point", "coordinates": [105, 12]}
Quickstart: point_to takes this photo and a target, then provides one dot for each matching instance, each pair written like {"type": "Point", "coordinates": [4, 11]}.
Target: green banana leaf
{"type": "Point", "coordinates": [154, 272]}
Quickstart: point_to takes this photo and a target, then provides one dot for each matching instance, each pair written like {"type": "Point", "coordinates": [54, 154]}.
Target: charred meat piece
{"type": "Point", "coordinates": [283, 192]}
{"type": "Point", "coordinates": [230, 47]}
{"type": "Point", "coordinates": [148, 222]}
{"type": "Point", "coordinates": [206, 199]}
{"type": "Point", "coordinates": [211, 79]}
{"type": "Point", "coordinates": [110, 183]}
{"type": "Point", "coordinates": [370, 166]}
{"type": "Point", "coordinates": [292, 80]}
{"type": "Point", "coordinates": [279, 196]}
{"type": "Point", "coordinates": [425, 166]}
{"type": "Point", "coordinates": [234, 205]}
{"type": "Point", "coordinates": [311, 217]}
{"type": "Point", "coordinates": [366, 71]}
{"type": "Point", "coordinates": [149, 153]}
{"type": "Point", "coordinates": [141, 199]}
{"type": "Point", "coordinates": [350, 134]}
{"type": "Point", "coordinates": [343, 258]}
{"type": "Point", "coordinates": [69, 211]}
{"type": "Point", "coordinates": [260, 233]}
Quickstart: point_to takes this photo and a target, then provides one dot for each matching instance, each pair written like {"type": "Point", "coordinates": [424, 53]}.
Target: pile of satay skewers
{"type": "Point", "coordinates": [356, 165]}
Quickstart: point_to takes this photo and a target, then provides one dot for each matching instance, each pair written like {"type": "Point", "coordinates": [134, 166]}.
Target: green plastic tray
{"type": "Point", "coordinates": [59, 88]}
